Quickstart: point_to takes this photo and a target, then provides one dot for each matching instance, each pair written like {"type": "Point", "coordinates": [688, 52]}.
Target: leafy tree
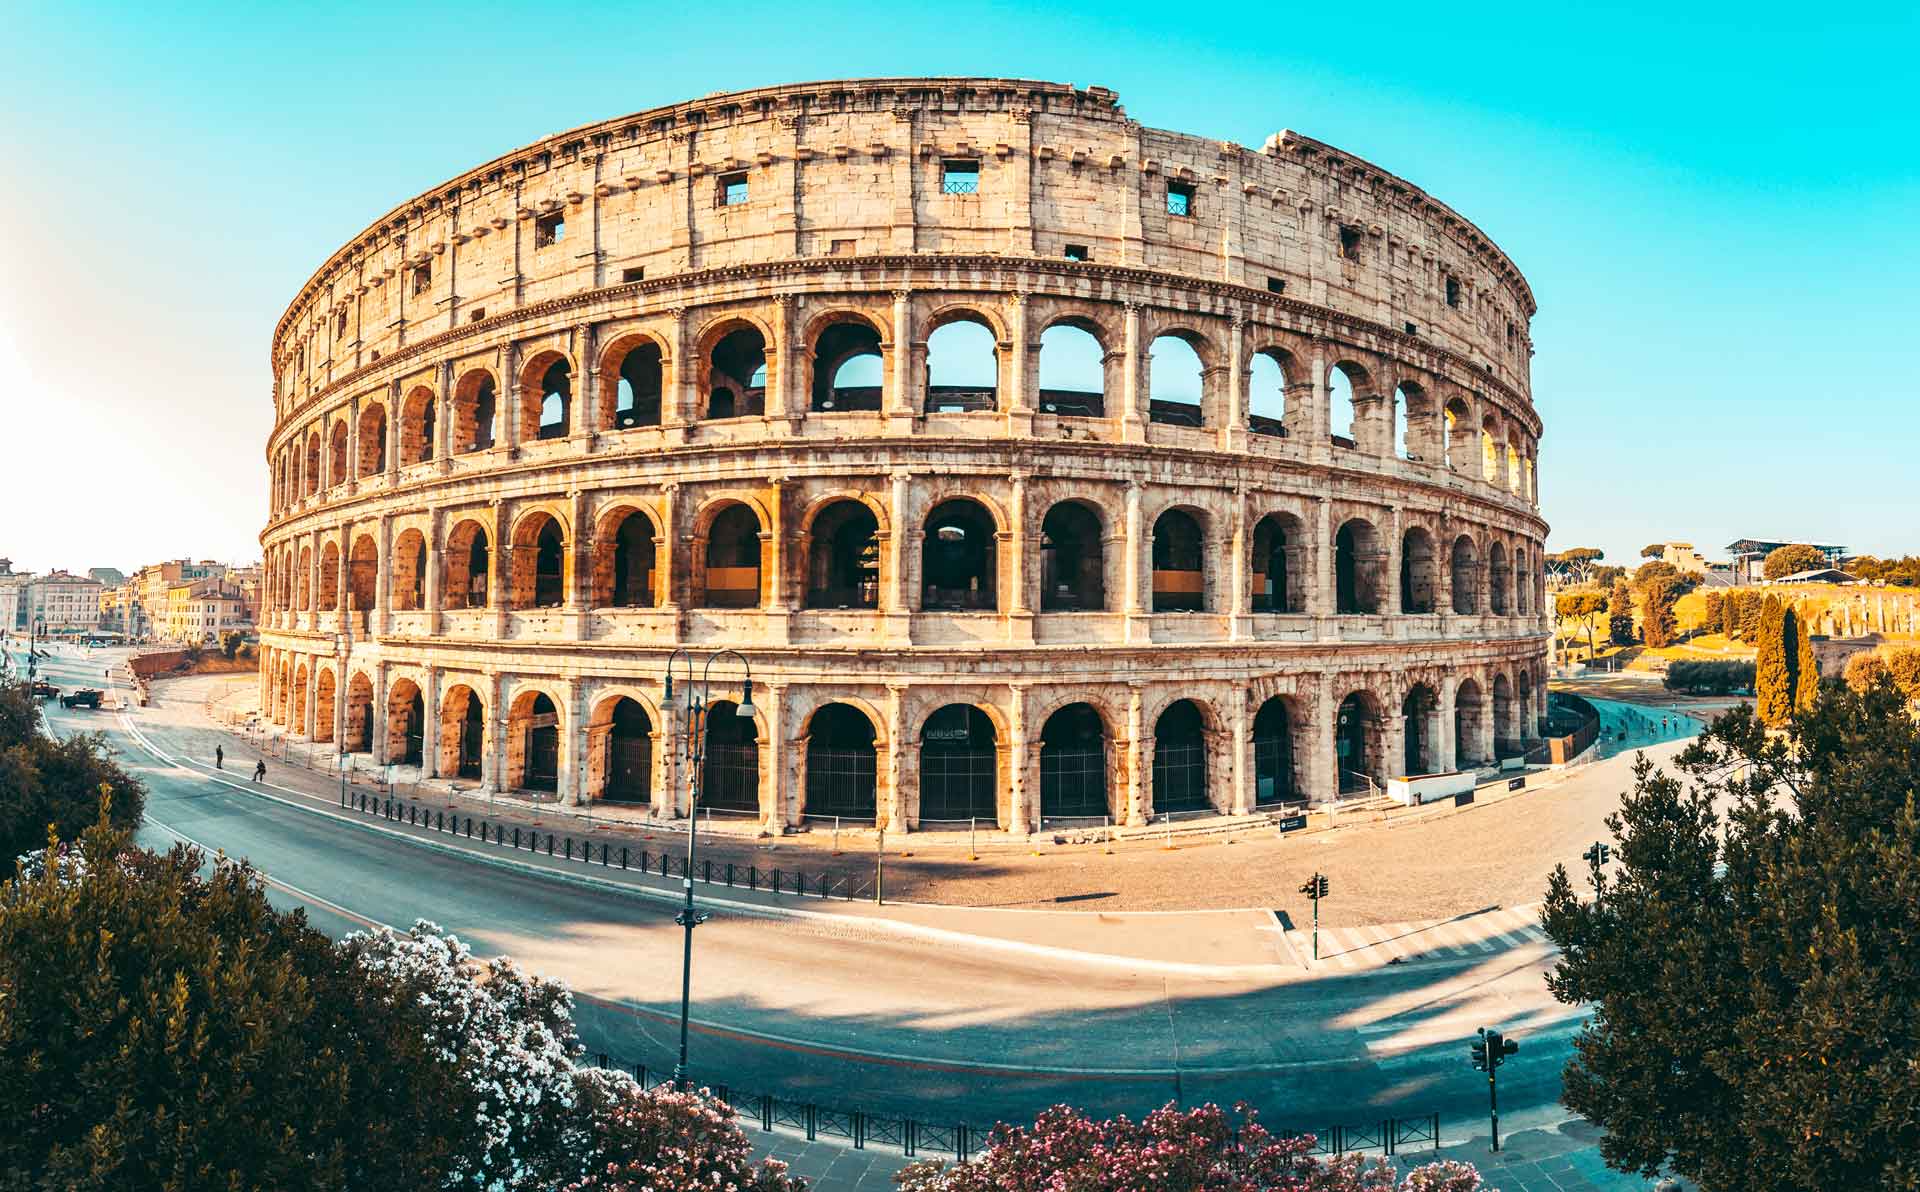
{"type": "Point", "coordinates": [1773, 674]}
{"type": "Point", "coordinates": [1743, 614]}
{"type": "Point", "coordinates": [164, 1029]}
{"type": "Point", "coordinates": [1713, 618]}
{"type": "Point", "coordinates": [46, 783]}
{"type": "Point", "coordinates": [1709, 676]}
{"type": "Point", "coordinates": [1657, 597]}
{"type": "Point", "coordinates": [1865, 669]}
{"type": "Point", "coordinates": [1204, 1149]}
{"type": "Point", "coordinates": [1604, 575]}
{"type": "Point", "coordinates": [662, 1138]}
{"type": "Point", "coordinates": [1903, 667]}
{"type": "Point", "coordinates": [1903, 571]}
{"type": "Point", "coordinates": [230, 644]}
{"type": "Point", "coordinates": [1653, 550]}
{"type": "Point", "coordinates": [1805, 667]}
{"type": "Point", "coordinates": [1647, 572]}
{"type": "Point", "coordinates": [1756, 1018]}
{"type": "Point", "coordinates": [1791, 560]}
{"type": "Point", "coordinates": [1620, 614]}
{"type": "Point", "coordinates": [1581, 607]}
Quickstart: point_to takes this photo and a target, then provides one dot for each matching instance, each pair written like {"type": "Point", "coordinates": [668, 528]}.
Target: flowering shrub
{"type": "Point", "coordinates": [510, 1035]}
{"type": "Point", "coordinates": [1191, 1150]}
{"type": "Point", "coordinates": [640, 1140]}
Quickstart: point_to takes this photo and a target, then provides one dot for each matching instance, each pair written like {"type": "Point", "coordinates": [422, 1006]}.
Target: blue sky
{"type": "Point", "coordinates": [1718, 209]}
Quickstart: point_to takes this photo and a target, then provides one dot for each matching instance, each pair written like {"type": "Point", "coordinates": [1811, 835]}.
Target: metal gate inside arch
{"type": "Point", "coordinates": [959, 768]}
{"type": "Point", "coordinates": [841, 770]}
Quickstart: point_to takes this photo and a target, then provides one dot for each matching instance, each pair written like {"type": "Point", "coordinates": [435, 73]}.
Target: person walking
{"type": "Point", "coordinates": [260, 771]}
{"type": "Point", "coordinates": [219, 758]}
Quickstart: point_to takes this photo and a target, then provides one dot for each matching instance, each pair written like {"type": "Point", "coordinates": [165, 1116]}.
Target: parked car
{"type": "Point", "coordinates": [86, 697]}
{"type": "Point", "coordinates": [44, 690]}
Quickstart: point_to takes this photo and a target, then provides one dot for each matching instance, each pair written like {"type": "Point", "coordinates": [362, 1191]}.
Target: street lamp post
{"type": "Point", "coordinates": [695, 736]}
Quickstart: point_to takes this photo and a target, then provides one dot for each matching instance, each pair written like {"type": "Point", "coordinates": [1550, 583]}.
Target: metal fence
{"type": "Point", "coordinates": [612, 853]}
{"type": "Point", "coordinates": [916, 1138]}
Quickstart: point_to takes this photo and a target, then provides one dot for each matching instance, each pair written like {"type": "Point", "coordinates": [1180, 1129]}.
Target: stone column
{"type": "Point", "coordinates": [900, 401]}
{"type": "Point", "coordinates": [893, 761]}
{"type": "Point", "coordinates": [775, 615]}
{"type": "Point", "coordinates": [579, 568]}
{"type": "Point", "coordinates": [311, 717]}
{"type": "Point", "coordinates": [1240, 563]}
{"type": "Point", "coordinates": [1390, 602]}
{"type": "Point", "coordinates": [1022, 803]}
{"type": "Point", "coordinates": [896, 599]}
{"type": "Point", "coordinates": [1240, 749]}
{"type": "Point", "coordinates": [500, 577]}
{"type": "Point", "coordinates": [1446, 747]}
{"type": "Point", "coordinates": [1133, 427]}
{"type": "Point", "coordinates": [773, 761]}
{"type": "Point", "coordinates": [1319, 418]}
{"type": "Point", "coordinates": [353, 448]}
{"type": "Point", "coordinates": [1393, 761]}
{"type": "Point", "coordinates": [493, 753]}
{"type": "Point", "coordinates": [783, 398]}
{"type": "Point", "coordinates": [1020, 619]}
{"type": "Point", "coordinates": [1017, 369]}
{"type": "Point", "coordinates": [1234, 437]}
{"type": "Point", "coordinates": [381, 622]}
{"type": "Point", "coordinates": [1323, 778]}
{"type": "Point", "coordinates": [430, 721]}
{"type": "Point", "coordinates": [585, 413]}
{"type": "Point", "coordinates": [680, 398]}
{"type": "Point", "coordinates": [1137, 805]}
{"type": "Point", "coordinates": [436, 576]}
{"type": "Point", "coordinates": [1320, 582]}
{"type": "Point", "coordinates": [573, 746]}
{"type": "Point", "coordinates": [377, 743]}
{"type": "Point", "coordinates": [443, 417]}
{"type": "Point", "coordinates": [1137, 585]}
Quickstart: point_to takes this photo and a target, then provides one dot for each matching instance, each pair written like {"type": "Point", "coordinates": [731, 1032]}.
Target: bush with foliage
{"type": "Point", "coordinates": [1903, 571]}
{"type": "Point", "coordinates": [1709, 676]}
{"type": "Point", "coordinates": [1204, 1149]}
{"type": "Point", "coordinates": [1801, 661]}
{"type": "Point", "coordinates": [1751, 959]}
{"type": "Point", "coordinates": [1899, 665]}
{"type": "Point", "coordinates": [1792, 560]}
{"type": "Point", "coordinates": [54, 784]}
{"type": "Point", "coordinates": [1620, 614]}
{"type": "Point", "coordinates": [1750, 603]}
{"type": "Point", "coordinates": [664, 1138]}
{"type": "Point", "coordinates": [1713, 612]}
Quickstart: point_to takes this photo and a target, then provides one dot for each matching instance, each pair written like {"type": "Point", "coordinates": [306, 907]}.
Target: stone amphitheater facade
{"type": "Point", "coordinates": [775, 370]}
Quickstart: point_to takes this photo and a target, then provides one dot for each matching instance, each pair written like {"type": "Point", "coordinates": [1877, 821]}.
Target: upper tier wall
{"type": "Point", "coordinates": [856, 168]}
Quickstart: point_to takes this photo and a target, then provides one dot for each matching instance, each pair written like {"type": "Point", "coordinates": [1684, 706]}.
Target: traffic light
{"type": "Point", "coordinates": [1479, 1050]}
{"type": "Point", "coordinates": [1320, 885]}
{"type": "Point", "coordinates": [1599, 854]}
{"type": "Point", "coordinates": [1498, 1047]}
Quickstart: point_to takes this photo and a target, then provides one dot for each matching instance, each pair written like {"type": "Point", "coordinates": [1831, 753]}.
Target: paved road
{"type": "Point", "coordinates": [835, 1012]}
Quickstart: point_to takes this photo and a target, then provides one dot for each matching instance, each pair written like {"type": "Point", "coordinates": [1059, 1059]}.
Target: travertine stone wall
{"type": "Point", "coordinates": [1406, 522]}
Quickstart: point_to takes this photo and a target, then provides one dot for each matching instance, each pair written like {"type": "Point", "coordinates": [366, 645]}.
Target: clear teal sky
{"type": "Point", "coordinates": [1719, 211]}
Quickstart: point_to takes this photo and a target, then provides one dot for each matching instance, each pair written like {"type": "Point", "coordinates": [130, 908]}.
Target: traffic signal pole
{"type": "Point", "coordinates": [1493, 1102]}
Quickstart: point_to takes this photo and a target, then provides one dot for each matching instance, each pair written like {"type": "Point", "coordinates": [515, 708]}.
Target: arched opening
{"type": "Point", "coordinates": [1356, 744]}
{"type": "Point", "coordinates": [283, 707]}
{"type": "Point", "coordinates": [373, 442]}
{"type": "Point", "coordinates": [1073, 764]}
{"type": "Point", "coordinates": [629, 752]}
{"type": "Point", "coordinates": [958, 558]}
{"type": "Point", "coordinates": [1466, 576]}
{"type": "Point", "coordinates": [843, 558]}
{"type": "Point", "coordinates": [416, 427]}
{"type": "Point", "coordinates": [733, 560]}
{"type": "Point", "coordinates": [1497, 578]}
{"type": "Point", "coordinates": [330, 577]}
{"type": "Point", "coordinates": [1343, 410]}
{"type": "Point", "coordinates": [306, 578]}
{"type": "Point", "coordinates": [1357, 562]}
{"type": "Point", "coordinates": [1073, 564]}
{"type": "Point", "coordinates": [533, 743]}
{"type": "Point", "coordinates": [467, 564]}
{"type": "Point", "coordinates": [624, 563]}
{"type": "Point", "coordinates": [1523, 710]}
{"type": "Point", "coordinates": [1469, 724]}
{"type": "Point", "coordinates": [730, 771]}
{"type": "Point", "coordinates": [1415, 427]}
{"type": "Point", "coordinates": [1453, 425]}
{"type": "Point", "coordinates": [1489, 449]}
{"type": "Point", "coordinates": [963, 367]}
{"type": "Point", "coordinates": [847, 368]}
{"type": "Point", "coordinates": [337, 455]}
{"type": "Point", "coordinates": [406, 723]}
{"type": "Point", "coordinates": [363, 574]}
{"type": "Point", "coordinates": [1419, 716]}
{"type": "Point", "coordinates": [1072, 372]}
{"type": "Point", "coordinates": [463, 734]}
{"type": "Point", "coordinates": [1267, 394]}
{"type": "Point", "coordinates": [1179, 550]}
{"type": "Point", "coordinates": [1279, 556]}
{"type": "Point", "coordinates": [1402, 442]}
{"type": "Point", "coordinates": [475, 407]}
{"type": "Point", "coordinates": [737, 375]}
{"type": "Point", "coordinates": [409, 571]}
{"type": "Point", "coordinates": [639, 380]}
{"type": "Point", "coordinates": [549, 408]}
{"type": "Point", "coordinates": [358, 720]}
{"type": "Point", "coordinates": [841, 770]}
{"type": "Point", "coordinates": [1522, 583]}
{"type": "Point", "coordinates": [1273, 772]}
{"type": "Point", "coordinates": [323, 697]}
{"type": "Point", "coordinates": [1506, 724]}
{"type": "Point", "coordinates": [1180, 760]}
{"type": "Point", "coordinates": [539, 558]}
{"type": "Point", "coordinates": [313, 462]}
{"type": "Point", "coordinates": [1513, 470]}
{"type": "Point", "coordinates": [1175, 382]}
{"type": "Point", "coordinates": [1417, 578]}
{"type": "Point", "coordinates": [959, 766]}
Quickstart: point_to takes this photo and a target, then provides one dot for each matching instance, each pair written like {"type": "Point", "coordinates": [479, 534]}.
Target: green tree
{"type": "Point", "coordinates": [48, 784]}
{"type": "Point", "coordinates": [1791, 560]}
{"type": "Point", "coordinates": [1752, 969]}
{"type": "Point", "coordinates": [1658, 627]}
{"type": "Point", "coordinates": [1653, 550]}
{"type": "Point", "coordinates": [230, 644]}
{"type": "Point", "coordinates": [164, 1029]}
{"type": "Point", "coordinates": [1713, 616]}
{"type": "Point", "coordinates": [1773, 673]}
{"type": "Point", "coordinates": [1805, 667]}
{"type": "Point", "coordinates": [1581, 608]}
{"type": "Point", "coordinates": [1620, 614]}
{"type": "Point", "coordinates": [1743, 615]}
{"type": "Point", "coordinates": [1647, 572]}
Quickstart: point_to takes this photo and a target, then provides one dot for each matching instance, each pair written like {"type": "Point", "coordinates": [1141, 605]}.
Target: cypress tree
{"type": "Point", "coordinates": [1620, 614]}
{"type": "Point", "coordinates": [1806, 669]}
{"type": "Point", "coordinates": [1773, 675]}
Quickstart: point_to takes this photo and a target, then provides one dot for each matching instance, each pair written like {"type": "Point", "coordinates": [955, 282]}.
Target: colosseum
{"type": "Point", "coordinates": [1039, 465]}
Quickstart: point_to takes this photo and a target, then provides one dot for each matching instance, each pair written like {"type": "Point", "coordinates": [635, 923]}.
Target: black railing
{"type": "Point", "coordinates": [611, 853]}
{"type": "Point", "coordinates": [916, 1138]}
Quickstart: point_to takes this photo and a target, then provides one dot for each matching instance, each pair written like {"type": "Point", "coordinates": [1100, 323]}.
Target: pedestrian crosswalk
{"type": "Point", "coordinates": [1461, 938]}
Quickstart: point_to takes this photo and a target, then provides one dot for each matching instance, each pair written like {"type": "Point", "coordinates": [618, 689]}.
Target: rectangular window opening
{"type": "Point", "coordinates": [479, 312]}
{"type": "Point", "coordinates": [634, 274]}
{"type": "Point", "coordinates": [843, 248]}
{"type": "Point", "coordinates": [959, 177]}
{"type": "Point", "coordinates": [340, 325]}
{"type": "Point", "coordinates": [422, 277]}
{"type": "Point", "coordinates": [1412, 329]}
{"type": "Point", "coordinates": [1180, 199]}
{"type": "Point", "coordinates": [733, 190]}
{"type": "Point", "coordinates": [1453, 290]}
{"type": "Point", "coordinates": [1276, 285]}
{"type": "Point", "coordinates": [549, 229]}
{"type": "Point", "coordinates": [1350, 242]}
{"type": "Point", "coordinates": [1078, 252]}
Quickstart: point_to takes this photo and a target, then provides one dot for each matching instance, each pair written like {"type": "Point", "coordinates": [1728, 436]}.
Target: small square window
{"type": "Point", "coordinates": [1350, 242]}
{"type": "Point", "coordinates": [959, 177]}
{"type": "Point", "coordinates": [479, 312]}
{"type": "Point", "coordinates": [634, 274]}
{"type": "Point", "coordinates": [340, 325]}
{"type": "Point", "coordinates": [376, 353]}
{"type": "Point", "coordinates": [1078, 252]}
{"type": "Point", "coordinates": [1180, 199]}
{"type": "Point", "coordinates": [733, 190]}
{"type": "Point", "coordinates": [843, 248]}
{"type": "Point", "coordinates": [1453, 290]}
{"type": "Point", "coordinates": [549, 229]}
{"type": "Point", "coordinates": [1276, 285]}
{"type": "Point", "coordinates": [1412, 329]}
{"type": "Point", "coordinates": [422, 277]}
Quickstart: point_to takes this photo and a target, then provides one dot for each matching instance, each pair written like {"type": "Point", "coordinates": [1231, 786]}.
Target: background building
{"type": "Point", "coordinates": [64, 604]}
{"type": "Point", "coordinates": [1750, 557]}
